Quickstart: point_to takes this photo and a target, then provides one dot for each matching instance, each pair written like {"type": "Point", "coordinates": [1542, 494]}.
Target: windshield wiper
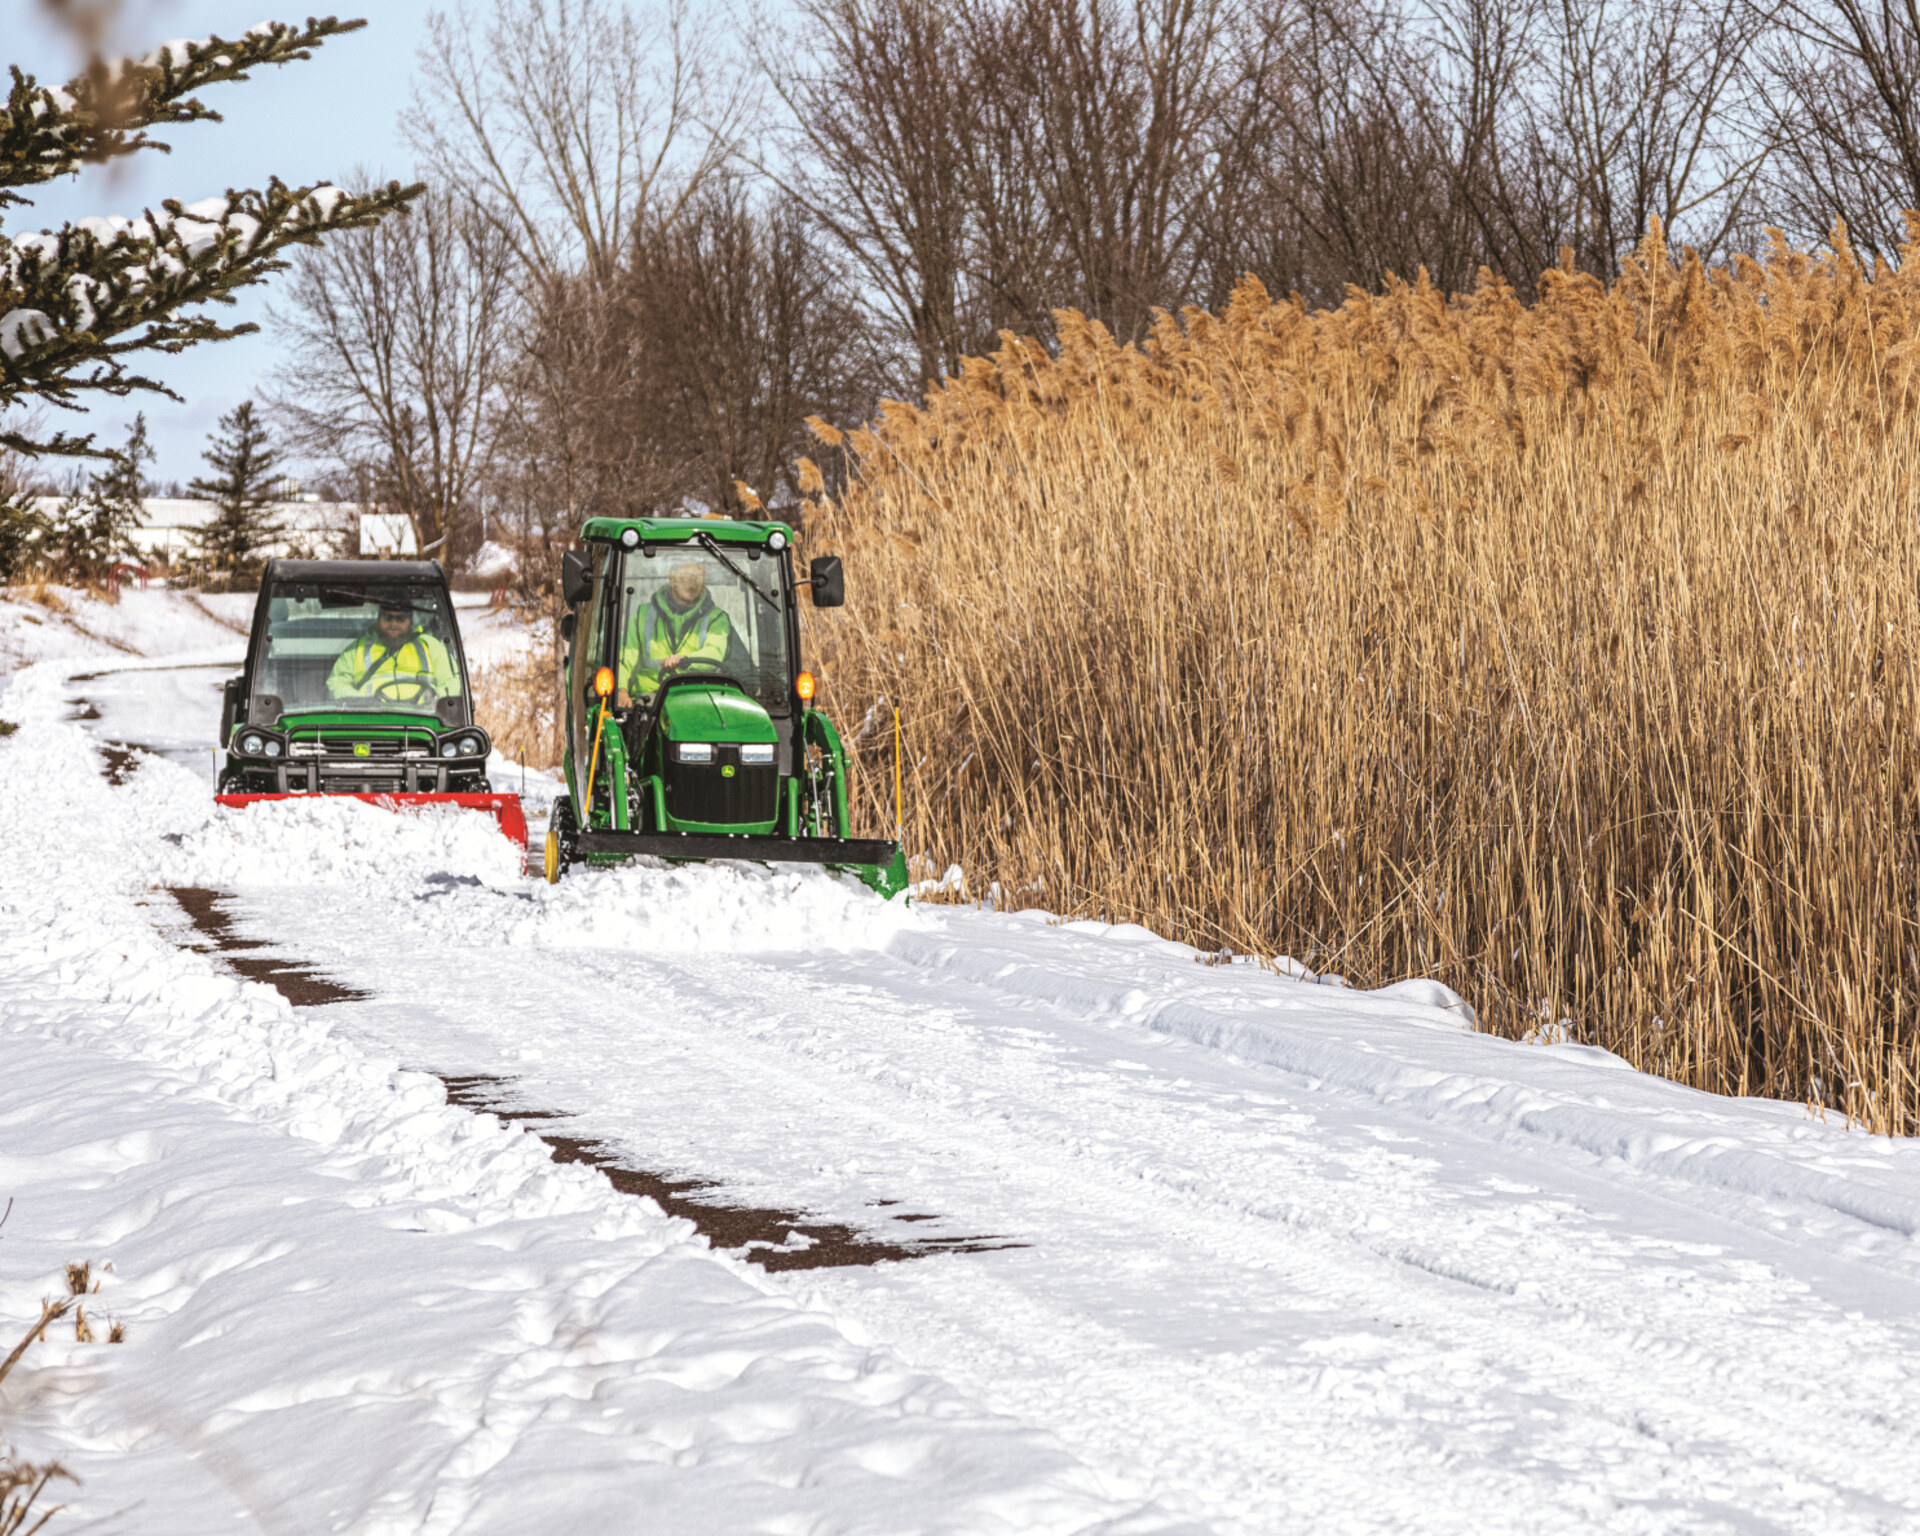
{"type": "Point", "coordinates": [714, 544]}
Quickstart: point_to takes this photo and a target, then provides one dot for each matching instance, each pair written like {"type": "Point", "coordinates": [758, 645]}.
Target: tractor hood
{"type": "Point", "coordinates": [714, 712]}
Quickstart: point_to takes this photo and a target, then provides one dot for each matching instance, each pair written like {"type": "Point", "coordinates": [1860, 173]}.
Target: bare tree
{"type": "Point", "coordinates": [737, 324]}
{"type": "Point", "coordinates": [396, 344]}
{"type": "Point", "coordinates": [1140, 115]}
{"type": "Point", "coordinates": [1453, 135]}
{"type": "Point", "coordinates": [568, 122]}
{"type": "Point", "coordinates": [1843, 79]}
{"type": "Point", "coordinates": [880, 112]}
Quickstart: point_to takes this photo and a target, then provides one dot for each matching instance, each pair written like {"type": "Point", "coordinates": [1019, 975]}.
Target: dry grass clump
{"type": "Point", "coordinates": [1563, 653]}
{"type": "Point", "coordinates": [22, 1483]}
{"type": "Point", "coordinates": [517, 702]}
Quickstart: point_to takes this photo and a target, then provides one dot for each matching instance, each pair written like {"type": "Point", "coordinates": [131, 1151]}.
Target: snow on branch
{"type": "Point", "coordinates": [73, 302]}
{"type": "Point", "coordinates": [101, 114]}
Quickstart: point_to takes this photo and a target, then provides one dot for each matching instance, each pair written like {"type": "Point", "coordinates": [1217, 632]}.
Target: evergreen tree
{"type": "Point", "coordinates": [94, 528]}
{"type": "Point", "coordinates": [247, 470]}
{"type": "Point", "coordinates": [23, 534]}
{"type": "Point", "coordinates": [77, 301]}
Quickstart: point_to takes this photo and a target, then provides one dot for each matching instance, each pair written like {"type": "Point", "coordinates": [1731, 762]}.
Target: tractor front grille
{"type": "Point", "coordinates": [706, 792]}
{"type": "Point", "coordinates": [360, 784]}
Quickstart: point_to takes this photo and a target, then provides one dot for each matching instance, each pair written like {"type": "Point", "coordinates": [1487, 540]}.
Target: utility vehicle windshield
{"type": "Point", "coordinates": [361, 645]}
{"type": "Point", "coordinates": [688, 609]}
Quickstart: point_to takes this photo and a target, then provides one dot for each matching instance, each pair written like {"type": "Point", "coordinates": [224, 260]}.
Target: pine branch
{"type": "Point", "coordinates": [49, 131]}
{"type": "Point", "coordinates": [75, 302]}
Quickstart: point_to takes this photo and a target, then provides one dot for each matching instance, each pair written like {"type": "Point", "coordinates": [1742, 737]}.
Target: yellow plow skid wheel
{"type": "Point", "coordinates": [553, 858]}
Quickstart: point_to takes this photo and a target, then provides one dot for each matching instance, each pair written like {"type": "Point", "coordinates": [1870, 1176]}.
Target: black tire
{"type": "Point", "coordinates": [563, 833]}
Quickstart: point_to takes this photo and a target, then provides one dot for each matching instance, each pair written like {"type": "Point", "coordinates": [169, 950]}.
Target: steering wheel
{"type": "Point", "coordinates": [672, 668]}
{"type": "Point", "coordinates": [422, 682]}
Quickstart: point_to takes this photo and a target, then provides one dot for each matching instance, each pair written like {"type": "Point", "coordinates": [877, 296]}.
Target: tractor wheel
{"type": "Point", "coordinates": [561, 832]}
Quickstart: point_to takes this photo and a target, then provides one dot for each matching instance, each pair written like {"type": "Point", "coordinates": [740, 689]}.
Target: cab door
{"type": "Point", "coordinates": [586, 658]}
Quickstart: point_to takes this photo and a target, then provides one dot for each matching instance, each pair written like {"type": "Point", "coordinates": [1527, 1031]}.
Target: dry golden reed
{"type": "Point", "coordinates": [1564, 653]}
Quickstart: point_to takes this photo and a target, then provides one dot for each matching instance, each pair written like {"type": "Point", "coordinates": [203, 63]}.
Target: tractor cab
{"type": "Point", "coordinates": [691, 731]}
{"type": "Point", "coordinates": [355, 683]}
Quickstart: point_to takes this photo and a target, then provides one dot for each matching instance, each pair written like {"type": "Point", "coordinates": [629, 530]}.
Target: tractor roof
{"type": "Point", "coordinates": [725, 530]}
{"type": "Point", "coordinates": [355, 570]}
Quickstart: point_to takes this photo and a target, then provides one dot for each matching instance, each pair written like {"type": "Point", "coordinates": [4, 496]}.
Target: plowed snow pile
{"type": "Point", "coordinates": [341, 842]}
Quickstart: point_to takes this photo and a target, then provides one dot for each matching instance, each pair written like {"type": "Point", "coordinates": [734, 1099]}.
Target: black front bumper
{"type": "Point", "coordinates": [765, 850]}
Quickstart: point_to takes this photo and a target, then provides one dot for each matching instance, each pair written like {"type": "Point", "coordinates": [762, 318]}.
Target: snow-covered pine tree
{"type": "Point", "coordinates": [22, 527]}
{"type": "Point", "coordinates": [23, 533]}
{"type": "Point", "coordinates": [242, 488]}
{"type": "Point", "coordinates": [76, 302]}
{"type": "Point", "coordinates": [94, 528]}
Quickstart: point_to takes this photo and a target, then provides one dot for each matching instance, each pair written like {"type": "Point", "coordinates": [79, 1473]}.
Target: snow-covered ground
{"type": "Point", "coordinates": [1231, 1251]}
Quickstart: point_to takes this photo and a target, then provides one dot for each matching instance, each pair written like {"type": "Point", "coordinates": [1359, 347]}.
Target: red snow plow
{"type": "Point", "coordinates": [504, 809]}
{"type": "Point", "coordinates": [356, 685]}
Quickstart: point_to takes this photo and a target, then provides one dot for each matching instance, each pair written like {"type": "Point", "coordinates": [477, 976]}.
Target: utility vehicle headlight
{"type": "Point", "coordinates": [251, 743]}
{"type": "Point", "coordinates": [449, 748]}
{"type": "Point", "coordinates": [776, 541]}
{"type": "Point", "coordinates": [757, 752]}
{"type": "Point", "coordinates": [470, 745]}
{"type": "Point", "coordinates": [696, 751]}
{"type": "Point", "coordinates": [629, 538]}
{"type": "Point", "coordinates": [272, 747]}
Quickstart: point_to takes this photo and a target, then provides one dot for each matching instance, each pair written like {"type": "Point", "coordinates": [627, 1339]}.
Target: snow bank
{"type": "Point", "coordinates": [142, 624]}
{"type": "Point", "coordinates": [1406, 1047]}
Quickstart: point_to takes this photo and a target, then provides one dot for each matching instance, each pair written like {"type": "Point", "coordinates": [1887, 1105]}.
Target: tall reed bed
{"type": "Point", "coordinates": [1564, 653]}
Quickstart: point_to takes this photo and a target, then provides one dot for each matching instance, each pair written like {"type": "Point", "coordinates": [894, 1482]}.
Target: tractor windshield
{"type": "Point", "coordinates": [687, 610]}
{"type": "Point", "coordinates": [360, 646]}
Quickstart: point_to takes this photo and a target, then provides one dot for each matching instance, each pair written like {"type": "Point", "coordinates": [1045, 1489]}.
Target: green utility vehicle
{"type": "Point", "coordinates": [356, 684]}
{"type": "Point", "coordinates": [691, 732]}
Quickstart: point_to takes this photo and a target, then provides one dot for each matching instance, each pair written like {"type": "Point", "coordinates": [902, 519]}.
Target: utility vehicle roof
{"type": "Point", "coordinates": [725, 530]}
{"type": "Point", "coordinates": [355, 570]}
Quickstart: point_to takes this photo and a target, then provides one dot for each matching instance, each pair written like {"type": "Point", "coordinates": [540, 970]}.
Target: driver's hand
{"type": "Point", "coordinates": [622, 699]}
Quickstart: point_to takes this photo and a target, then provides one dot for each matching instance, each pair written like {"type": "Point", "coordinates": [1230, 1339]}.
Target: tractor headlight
{"type": "Point", "coordinates": [272, 748]}
{"type": "Point", "coordinates": [629, 538]}
{"type": "Point", "coordinates": [757, 752]}
{"type": "Point", "coordinates": [696, 751]}
{"type": "Point", "coordinates": [776, 541]}
{"type": "Point", "coordinates": [449, 748]}
{"type": "Point", "coordinates": [472, 746]}
{"type": "Point", "coordinates": [251, 743]}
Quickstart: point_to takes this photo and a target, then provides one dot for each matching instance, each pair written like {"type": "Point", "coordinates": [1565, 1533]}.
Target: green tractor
{"type": "Point", "coordinates": [691, 731]}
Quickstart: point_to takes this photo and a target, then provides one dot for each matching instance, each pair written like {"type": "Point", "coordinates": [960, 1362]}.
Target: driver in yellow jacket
{"type": "Point", "coordinates": [681, 623]}
{"type": "Point", "coordinates": [395, 662]}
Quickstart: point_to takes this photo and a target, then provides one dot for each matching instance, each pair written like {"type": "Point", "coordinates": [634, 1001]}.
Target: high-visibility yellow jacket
{"type": "Point", "coordinates": [659, 630]}
{"type": "Point", "coordinates": [375, 667]}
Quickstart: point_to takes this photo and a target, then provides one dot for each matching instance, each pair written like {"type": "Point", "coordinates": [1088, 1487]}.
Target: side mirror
{"type": "Point", "coordinates": [566, 625]}
{"type": "Point", "coordinates": [229, 706]}
{"type": "Point", "coordinates": [263, 709]}
{"type": "Point", "coordinates": [829, 582]}
{"type": "Point", "coordinates": [576, 577]}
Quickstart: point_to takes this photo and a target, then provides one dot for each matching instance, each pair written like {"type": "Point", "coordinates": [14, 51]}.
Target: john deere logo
{"type": "Point", "coordinates": [727, 771]}
{"type": "Point", "coordinates": [363, 749]}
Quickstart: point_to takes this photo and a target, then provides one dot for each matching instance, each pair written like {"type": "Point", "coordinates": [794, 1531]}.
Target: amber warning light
{"type": "Point", "coordinates": [603, 682]}
{"type": "Point", "coordinates": [803, 685]}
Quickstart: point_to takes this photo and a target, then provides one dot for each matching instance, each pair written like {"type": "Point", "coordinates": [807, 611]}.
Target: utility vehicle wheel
{"type": "Point", "coordinates": [561, 831]}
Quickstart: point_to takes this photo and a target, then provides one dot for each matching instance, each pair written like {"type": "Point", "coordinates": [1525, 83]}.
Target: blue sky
{"type": "Point", "coordinates": [304, 123]}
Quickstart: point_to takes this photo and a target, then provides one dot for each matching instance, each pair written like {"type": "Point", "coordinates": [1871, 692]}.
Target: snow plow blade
{"type": "Point", "coordinates": [860, 853]}
{"type": "Point", "coordinates": [505, 809]}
